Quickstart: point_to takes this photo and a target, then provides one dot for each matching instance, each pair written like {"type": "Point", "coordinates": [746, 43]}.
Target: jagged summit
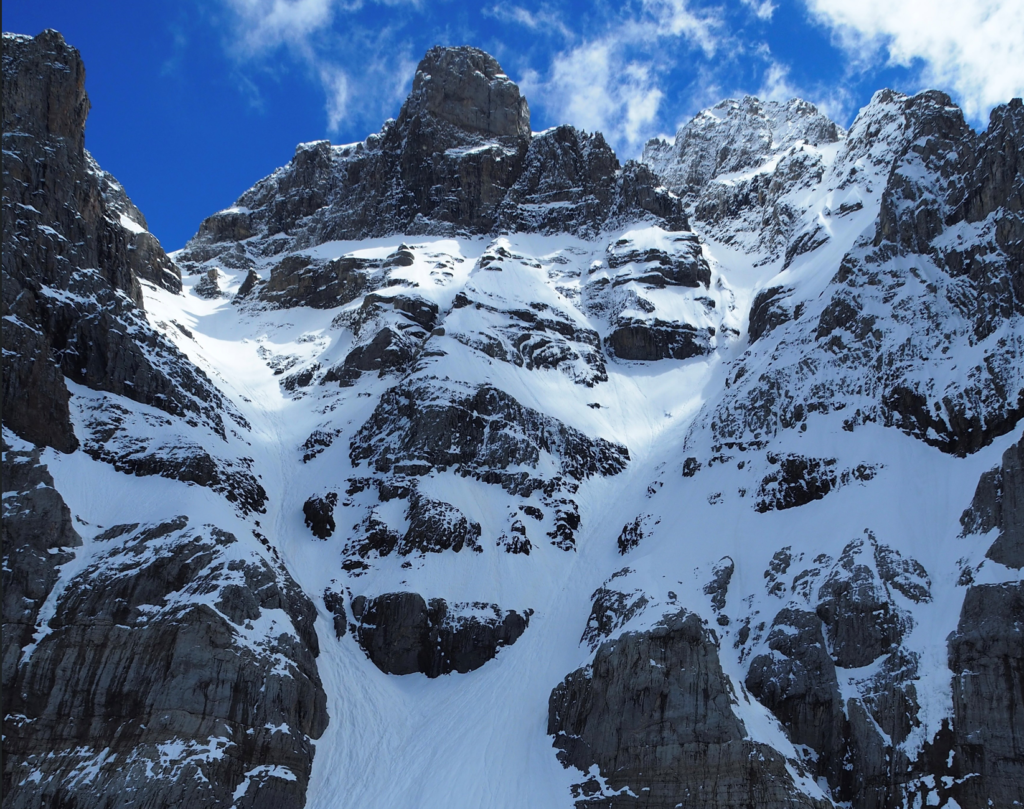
{"type": "Point", "coordinates": [467, 88]}
{"type": "Point", "coordinates": [460, 159]}
{"type": "Point", "coordinates": [734, 135]}
{"type": "Point", "coordinates": [44, 88]}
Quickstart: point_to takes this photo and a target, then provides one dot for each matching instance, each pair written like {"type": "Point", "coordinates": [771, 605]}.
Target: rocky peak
{"type": "Point", "coordinates": [466, 88]}
{"type": "Point", "coordinates": [76, 251]}
{"type": "Point", "coordinates": [733, 135]}
{"type": "Point", "coordinates": [44, 88]}
{"type": "Point", "coordinates": [460, 158]}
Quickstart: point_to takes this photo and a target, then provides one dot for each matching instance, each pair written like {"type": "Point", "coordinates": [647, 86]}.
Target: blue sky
{"type": "Point", "coordinates": [192, 102]}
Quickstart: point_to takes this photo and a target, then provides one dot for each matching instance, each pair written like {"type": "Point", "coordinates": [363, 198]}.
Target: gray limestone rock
{"type": "Point", "coordinates": [430, 526]}
{"type": "Point", "coordinates": [862, 621]}
{"type": "Point", "coordinates": [302, 281]}
{"type": "Point", "coordinates": [768, 312]}
{"type": "Point", "coordinates": [572, 182]}
{"type": "Point", "coordinates": [319, 514]}
{"type": "Point", "coordinates": [154, 444]}
{"type": "Point", "coordinates": [796, 482]}
{"type": "Point", "coordinates": [653, 712]}
{"type": "Point", "coordinates": [611, 610]}
{"type": "Point", "coordinates": [999, 503]}
{"type": "Point", "coordinates": [403, 634]}
{"type": "Point", "coordinates": [986, 656]}
{"type": "Point", "coordinates": [624, 292]}
{"type": "Point", "coordinates": [656, 339]}
{"type": "Point", "coordinates": [735, 134]}
{"type": "Point", "coordinates": [527, 334]}
{"type": "Point", "coordinates": [796, 681]}
{"type": "Point", "coordinates": [422, 426]}
{"type": "Point", "coordinates": [75, 248]}
{"type": "Point", "coordinates": [718, 587]}
{"type": "Point", "coordinates": [884, 327]}
{"type": "Point", "coordinates": [208, 287]}
{"type": "Point", "coordinates": [168, 662]}
{"type": "Point", "coordinates": [38, 538]}
{"type": "Point", "coordinates": [460, 158]}
{"type": "Point", "coordinates": [856, 742]}
{"type": "Point", "coordinates": [467, 88]}
{"type": "Point", "coordinates": [397, 325]}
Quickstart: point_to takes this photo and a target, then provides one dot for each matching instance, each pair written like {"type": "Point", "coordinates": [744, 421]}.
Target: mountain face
{"type": "Point", "coordinates": [466, 466]}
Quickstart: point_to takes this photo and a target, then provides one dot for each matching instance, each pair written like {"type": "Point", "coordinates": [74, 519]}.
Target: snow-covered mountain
{"type": "Point", "coordinates": [467, 467]}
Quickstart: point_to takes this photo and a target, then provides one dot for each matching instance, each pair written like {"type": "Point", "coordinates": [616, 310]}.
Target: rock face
{"type": "Point", "coordinates": [847, 349]}
{"type": "Point", "coordinates": [403, 634]}
{"type": "Point", "coordinates": [152, 664]}
{"type": "Point", "coordinates": [38, 537]}
{"type": "Point", "coordinates": [986, 655]}
{"type": "Point", "coordinates": [467, 89]}
{"type": "Point", "coordinates": [480, 432]}
{"type": "Point", "coordinates": [653, 712]}
{"type": "Point", "coordinates": [76, 252]}
{"type": "Point", "coordinates": [734, 135]}
{"type": "Point", "coordinates": [999, 504]}
{"type": "Point", "coordinates": [840, 618]}
{"type": "Point", "coordinates": [151, 674]}
{"type": "Point", "coordinates": [46, 242]}
{"type": "Point", "coordinates": [460, 158]}
{"type": "Point", "coordinates": [739, 164]}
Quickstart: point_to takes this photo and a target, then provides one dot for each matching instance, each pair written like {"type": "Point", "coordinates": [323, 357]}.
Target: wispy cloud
{"type": "Point", "coordinates": [777, 85]}
{"type": "Point", "coordinates": [308, 30]}
{"type": "Point", "coordinates": [179, 46]}
{"type": "Point", "coordinates": [591, 87]}
{"type": "Point", "coordinates": [612, 83]}
{"type": "Point", "coordinates": [542, 20]}
{"type": "Point", "coordinates": [975, 48]}
{"type": "Point", "coordinates": [265, 25]}
{"type": "Point", "coordinates": [335, 83]}
{"type": "Point", "coordinates": [762, 9]}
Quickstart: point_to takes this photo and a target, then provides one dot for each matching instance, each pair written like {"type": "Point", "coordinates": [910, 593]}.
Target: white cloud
{"type": "Point", "coordinates": [611, 83]}
{"type": "Point", "coordinates": [776, 85]}
{"type": "Point", "coordinates": [673, 18]}
{"type": "Point", "coordinates": [540, 21]}
{"type": "Point", "coordinates": [264, 25]}
{"type": "Point", "coordinates": [335, 83]}
{"type": "Point", "coordinates": [971, 48]}
{"type": "Point", "coordinates": [763, 9]}
{"type": "Point", "coordinates": [307, 30]}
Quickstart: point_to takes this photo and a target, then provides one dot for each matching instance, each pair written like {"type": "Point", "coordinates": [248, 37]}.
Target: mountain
{"type": "Point", "coordinates": [466, 466]}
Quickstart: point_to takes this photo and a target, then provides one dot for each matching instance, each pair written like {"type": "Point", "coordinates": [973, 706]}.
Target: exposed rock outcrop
{"type": "Point", "coordinates": [739, 165]}
{"type": "Point", "coordinates": [986, 655]}
{"type": "Point", "coordinates": [734, 135]}
{"type": "Point", "coordinates": [459, 158]}
{"type": "Point", "coordinates": [319, 514]}
{"type": "Point", "coordinates": [998, 503]}
{"type": "Point", "coordinates": [403, 634]}
{"type": "Point", "coordinates": [653, 714]}
{"type": "Point", "coordinates": [74, 250]}
{"type": "Point", "coordinates": [909, 295]}
{"type": "Point", "coordinates": [418, 427]}
{"type": "Point", "coordinates": [164, 677]}
{"type": "Point", "coordinates": [797, 682]}
{"type": "Point", "coordinates": [38, 538]}
{"type": "Point", "coordinates": [855, 619]}
{"type": "Point", "coordinates": [611, 610]}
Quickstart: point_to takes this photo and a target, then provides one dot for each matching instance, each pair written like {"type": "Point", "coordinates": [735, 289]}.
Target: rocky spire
{"type": "Point", "coordinates": [460, 158]}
